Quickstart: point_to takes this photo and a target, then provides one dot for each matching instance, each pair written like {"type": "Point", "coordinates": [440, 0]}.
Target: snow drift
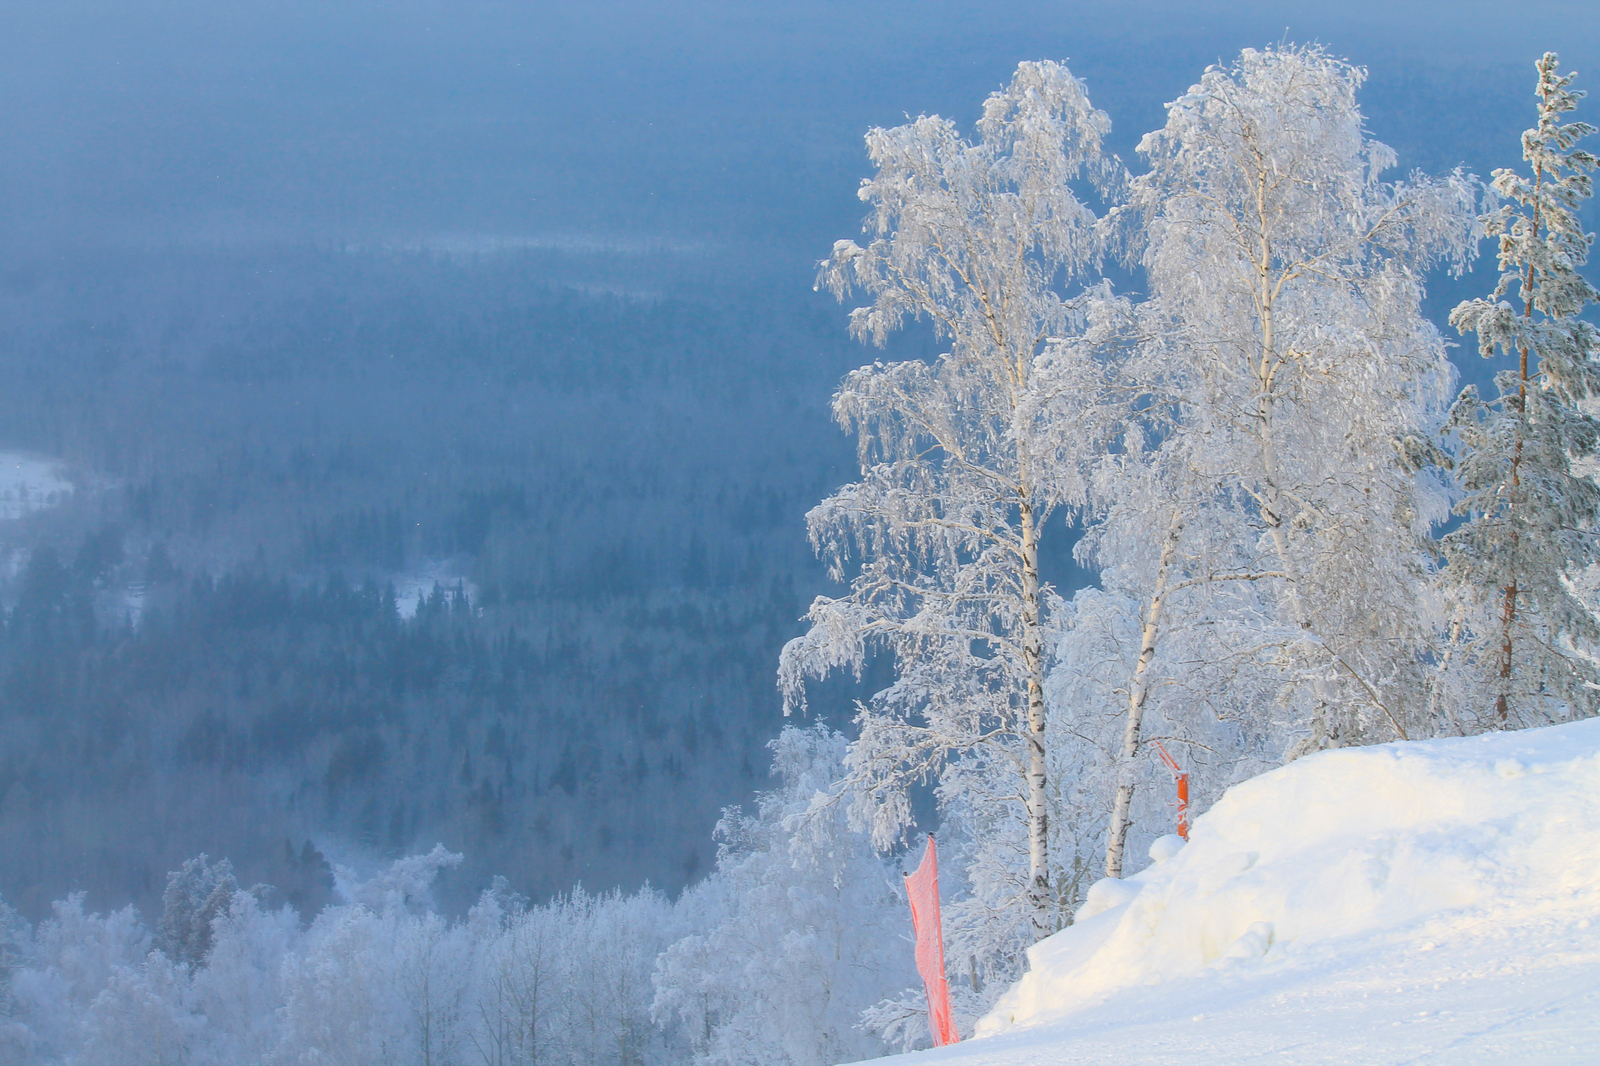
{"type": "Point", "coordinates": [1416, 843]}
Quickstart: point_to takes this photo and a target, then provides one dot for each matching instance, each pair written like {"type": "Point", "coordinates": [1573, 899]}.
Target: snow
{"type": "Point", "coordinates": [412, 590]}
{"type": "Point", "coordinates": [1419, 902]}
{"type": "Point", "coordinates": [29, 483]}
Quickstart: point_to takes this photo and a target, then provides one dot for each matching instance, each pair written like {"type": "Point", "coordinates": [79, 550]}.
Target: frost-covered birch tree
{"type": "Point", "coordinates": [1523, 634]}
{"type": "Point", "coordinates": [1175, 645]}
{"type": "Point", "coordinates": [1287, 280]}
{"type": "Point", "coordinates": [1285, 364]}
{"type": "Point", "coordinates": [964, 459]}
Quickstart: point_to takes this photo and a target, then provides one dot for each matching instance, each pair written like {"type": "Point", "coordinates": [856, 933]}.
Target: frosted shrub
{"type": "Point", "coordinates": [798, 929]}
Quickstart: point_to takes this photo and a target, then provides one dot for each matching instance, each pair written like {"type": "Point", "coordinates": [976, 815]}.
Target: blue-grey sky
{"type": "Point", "coordinates": [686, 120]}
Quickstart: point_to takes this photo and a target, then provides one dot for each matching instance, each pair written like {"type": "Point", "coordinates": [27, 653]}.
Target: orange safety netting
{"type": "Point", "coordinates": [922, 887]}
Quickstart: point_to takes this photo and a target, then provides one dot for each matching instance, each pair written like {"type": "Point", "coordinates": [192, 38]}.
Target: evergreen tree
{"type": "Point", "coordinates": [196, 895]}
{"type": "Point", "coordinates": [1525, 637]}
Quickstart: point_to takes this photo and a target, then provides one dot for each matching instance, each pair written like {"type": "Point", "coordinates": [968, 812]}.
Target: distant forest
{"type": "Point", "coordinates": [372, 549]}
{"type": "Point", "coordinates": [592, 465]}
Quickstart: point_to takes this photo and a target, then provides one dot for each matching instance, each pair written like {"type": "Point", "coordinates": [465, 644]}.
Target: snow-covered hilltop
{"type": "Point", "coordinates": [1433, 901]}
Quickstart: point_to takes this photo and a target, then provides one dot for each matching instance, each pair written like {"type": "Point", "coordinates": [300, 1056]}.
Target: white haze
{"type": "Point", "coordinates": [663, 121]}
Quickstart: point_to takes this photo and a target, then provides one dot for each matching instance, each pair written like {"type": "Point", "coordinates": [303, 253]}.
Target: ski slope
{"type": "Point", "coordinates": [1429, 902]}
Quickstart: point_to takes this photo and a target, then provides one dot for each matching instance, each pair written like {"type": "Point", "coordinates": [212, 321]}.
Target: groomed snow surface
{"type": "Point", "coordinates": [1430, 902]}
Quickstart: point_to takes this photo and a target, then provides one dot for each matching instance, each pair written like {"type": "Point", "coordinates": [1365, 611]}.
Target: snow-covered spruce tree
{"type": "Point", "coordinates": [196, 894]}
{"type": "Point", "coordinates": [963, 460]}
{"type": "Point", "coordinates": [1286, 362]}
{"type": "Point", "coordinates": [799, 929]}
{"type": "Point", "coordinates": [1524, 639]}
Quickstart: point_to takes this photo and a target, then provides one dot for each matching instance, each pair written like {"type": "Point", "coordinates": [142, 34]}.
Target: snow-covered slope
{"type": "Point", "coordinates": [1424, 902]}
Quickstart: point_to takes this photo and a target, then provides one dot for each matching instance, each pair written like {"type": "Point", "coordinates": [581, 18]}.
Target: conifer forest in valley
{"type": "Point", "coordinates": [516, 522]}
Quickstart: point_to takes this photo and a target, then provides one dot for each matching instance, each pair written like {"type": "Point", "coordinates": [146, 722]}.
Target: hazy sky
{"type": "Point", "coordinates": [149, 120]}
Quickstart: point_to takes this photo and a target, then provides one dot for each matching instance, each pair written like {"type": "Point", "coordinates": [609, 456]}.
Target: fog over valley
{"type": "Point", "coordinates": [410, 412]}
{"type": "Point", "coordinates": [309, 299]}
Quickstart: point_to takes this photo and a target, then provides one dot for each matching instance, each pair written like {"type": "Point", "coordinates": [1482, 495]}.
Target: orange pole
{"type": "Point", "coordinates": [1183, 806]}
{"type": "Point", "coordinates": [1183, 789]}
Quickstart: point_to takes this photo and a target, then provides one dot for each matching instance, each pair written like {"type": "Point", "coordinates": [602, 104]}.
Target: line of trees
{"type": "Point", "coordinates": [1263, 451]}
{"type": "Point", "coordinates": [770, 959]}
{"type": "Point", "coordinates": [244, 710]}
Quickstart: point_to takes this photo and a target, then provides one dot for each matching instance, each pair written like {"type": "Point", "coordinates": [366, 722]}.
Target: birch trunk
{"type": "Point", "coordinates": [1272, 496]}
{"type": "Point", "coordinates": [1138, 693]}
{"type": "Point", "coordinates": [1039, 900]}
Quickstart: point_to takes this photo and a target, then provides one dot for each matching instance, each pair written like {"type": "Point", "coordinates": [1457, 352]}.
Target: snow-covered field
{"type": "Point", "coordinates": [1434, 902]}
{"type": "Point", "coordinates": [412, 589]}
{"type": "Point", "coordinates": [29, 484]}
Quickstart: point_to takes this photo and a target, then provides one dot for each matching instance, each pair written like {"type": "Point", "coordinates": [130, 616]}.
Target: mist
{"type": "Point", "coordinates": [161, 123]}
{"type": "Point", "coordinates": [423, 390]}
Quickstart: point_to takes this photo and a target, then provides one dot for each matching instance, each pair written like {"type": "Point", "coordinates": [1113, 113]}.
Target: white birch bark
{"type": "Point", "coordinates": [1138, 694]}
{"type": "Point", "coordinates": [964, 461]}
{"type": "Point", "coordinates": [1284, 275]}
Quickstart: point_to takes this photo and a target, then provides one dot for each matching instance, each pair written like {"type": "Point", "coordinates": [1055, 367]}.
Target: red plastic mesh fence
{"type": "Point", "coordinates": [922, 887]}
